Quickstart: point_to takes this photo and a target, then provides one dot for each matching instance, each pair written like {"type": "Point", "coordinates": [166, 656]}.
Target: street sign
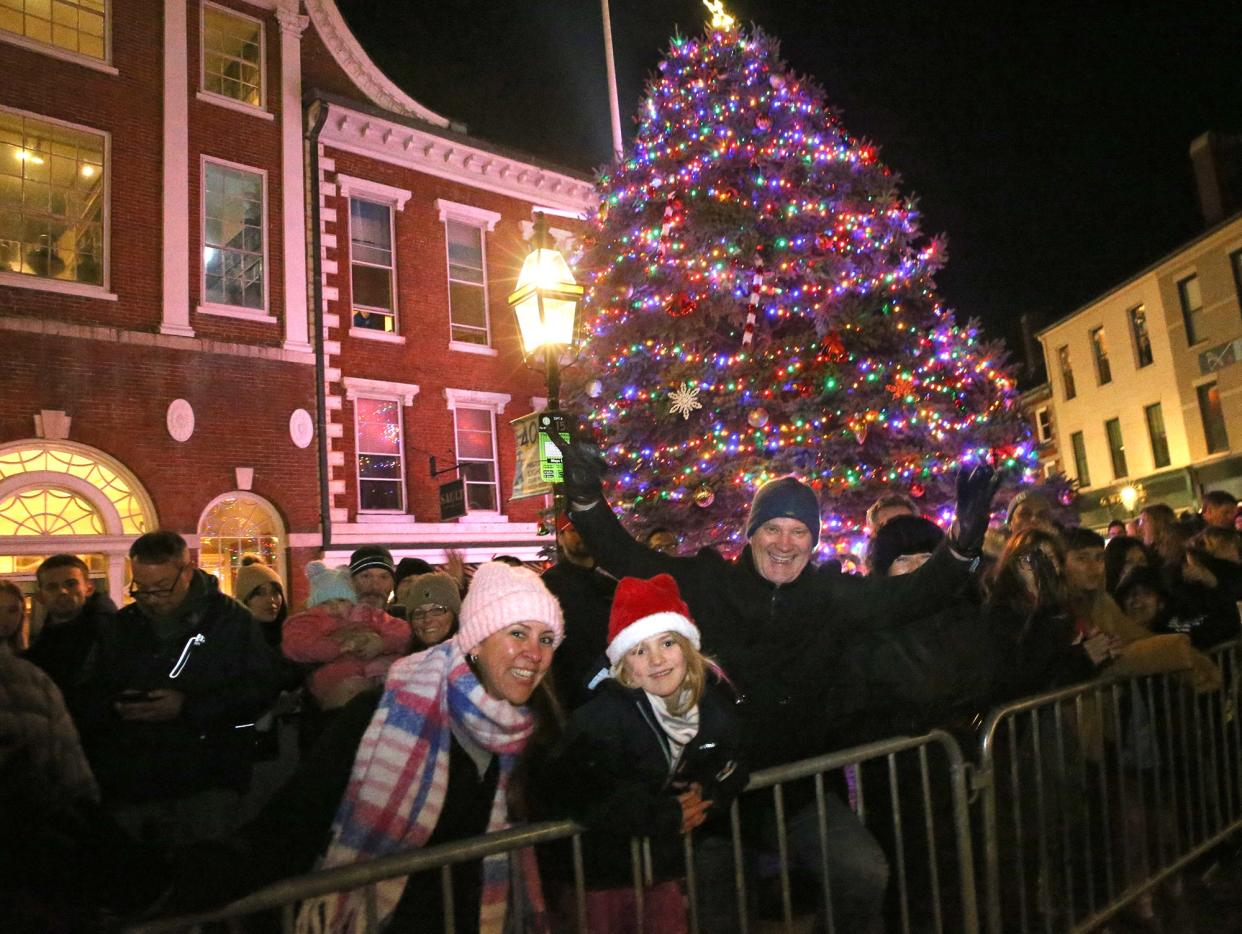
{"type": "Point", "coordinates": [551, 466]}
{"type": "Point", "coordinates": [527, 476]}
{"type": "Point", "coordinates": [452, 500]}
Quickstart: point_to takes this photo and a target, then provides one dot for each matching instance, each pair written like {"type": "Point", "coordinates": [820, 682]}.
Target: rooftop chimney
{"type": "Point", "coordinates": [1217, 162]}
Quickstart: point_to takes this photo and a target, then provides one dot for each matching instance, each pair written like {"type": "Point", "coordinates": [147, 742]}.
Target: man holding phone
{"type": "Point", "coordinates": [170, 692]}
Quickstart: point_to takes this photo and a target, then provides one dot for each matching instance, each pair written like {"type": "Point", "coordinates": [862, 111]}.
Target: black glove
{"type": "Point", "coordinates": [583, 467]}
{"type": "Point", "coordinates": [975, 489]}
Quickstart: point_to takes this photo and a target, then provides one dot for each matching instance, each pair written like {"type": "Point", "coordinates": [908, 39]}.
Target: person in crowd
{"type": "Point", "coordinates": [777, 624]}
{"type": "Point", "coordinates": [1038, 647]}
{"type": "Point", "coordinates": [653, 754]}
{"type": "Point", "coordinates": [74, 614]}
{"type": "Point", "coordinates": [1157, 527]}
{"type": "Point", "coordinates": [1121, 554]}
{"type": "Point", "coordinates": [1217, 551]}
{"type": "Point", "coordinates": [457, 717]}
{"type": "Point", "coordinates": [168, 685]}
{"type": "Point", "coordinates": [887, 506]}
{"type": "Point", "coordinates": [1030, 509]}
{"type": "Point", "coordinates": [663, 540]}
{"type": "Point", "coordinates": [406, 568]}
{"type": "Point", "coordinates": [259, 589]}
{"type": "Point", "coordinates": [12, 617]}
{"type": "Point", "coordinates": [1116, 528]}
{"type": "Point", "coordinates": [511, 560]}
{"type": "Point", "coordinates": [1220, 508]}
{"type": "Point", "coordinates": [351, 643]}
{"type": "Point", "coordinates": [373, 575]}
{"type": "Point", "coordinates": [585, 593]}
{"type": "Point", "coordinates": [433, 603]}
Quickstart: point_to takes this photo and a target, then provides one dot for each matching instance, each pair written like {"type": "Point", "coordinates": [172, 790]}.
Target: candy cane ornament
{"type": "Point", "coordinates": [752, 308]}
{"type": "Point", "coordinates": [666, 227]}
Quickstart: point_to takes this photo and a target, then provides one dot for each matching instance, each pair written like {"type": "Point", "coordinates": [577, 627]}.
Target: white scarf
{"type": "Point", "coordinates": [679, 729]}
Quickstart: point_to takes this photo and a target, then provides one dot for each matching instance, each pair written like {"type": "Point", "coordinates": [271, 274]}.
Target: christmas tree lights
{"type": "Point", "coordinates": [760, 301]}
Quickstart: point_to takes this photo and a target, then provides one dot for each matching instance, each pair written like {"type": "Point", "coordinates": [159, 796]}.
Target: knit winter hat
{"type": "Point", "coordinates": [435, 587]}
{"type": "Point", "coordinates": [250, 577]}
{"type": "Point", "coordinates": [328, 584]}
{"type": "Point", "coordinates": [370, 556]}
{"type": "Point", "coordinates": [501, 594]}
{"type": "Point", "coordinates": [645, 608]}
{"type": "Point", "coordinates": [409, 567]}
{"type": "Point", "coordinates": [1033, 495]}
{"type": "Point", "coordinates": [902, 535]}
{"type": "Point", "coordinates": [785, 498]}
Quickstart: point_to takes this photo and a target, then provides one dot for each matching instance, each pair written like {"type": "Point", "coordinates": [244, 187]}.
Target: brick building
{"type": "Point", "coordinates": [190, 290]}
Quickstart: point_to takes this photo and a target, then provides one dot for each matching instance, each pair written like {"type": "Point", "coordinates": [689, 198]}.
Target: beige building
{"type": "Point", "coordinates": [1146, 382]}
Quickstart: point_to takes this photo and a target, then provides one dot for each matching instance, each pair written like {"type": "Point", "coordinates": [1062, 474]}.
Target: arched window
{"type": "Point", "coordinates": [233, 525]}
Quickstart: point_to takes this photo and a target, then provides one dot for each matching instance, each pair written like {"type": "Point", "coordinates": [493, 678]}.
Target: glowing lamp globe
{"type": "Point", "coordinates": [545, 300]}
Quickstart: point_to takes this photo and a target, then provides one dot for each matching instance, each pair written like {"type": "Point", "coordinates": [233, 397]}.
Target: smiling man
{"type": "Point", "coordinates": [75, 613]}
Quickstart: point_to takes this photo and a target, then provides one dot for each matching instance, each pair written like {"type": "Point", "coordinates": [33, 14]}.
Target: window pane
{"type": "Point", "coordinates": [380, 494]}
{"type": "Point", "coordinates": [233, 228]}
{"type": "Point", "coordinates": [476, 457]}
{"type": "Point", "coordinates": [1213, 418]}
{"type": "Point", "coordinates": [1116, 448]}
{"type": "Point", "coordinates": [232, 56]}
{"type": "Point", "coordinates": [467, 305]}
{"type": "Point", "coordinates": [379, 467]}
{"type": "Point", "coordinates": [372, 287]}
{"type": "Point", "coordinates": [370, 230]}
{"type": "Point", "coordinates": [1080, 458]}
{"type": "Point", "coordinates": [1102, 370]}
{"type": "Point", "coordinates": [51, 200]}
{"type": "Point", "coordinates": [1142, 340]}
{"type": "Point", "coordinates": [1067, 372]}
{"type": "Point", "coordinates": [1159, 438]}
{"type": "Point", "coordinates": [73, 25]}
{"type": "Point", "coordinates": [465, 251]}
{"type": "Point", "coordinates": [1192, 302]}
{"type": "Point", "coordinates": [379, 426]}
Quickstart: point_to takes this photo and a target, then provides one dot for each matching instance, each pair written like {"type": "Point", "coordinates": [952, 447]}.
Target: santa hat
{"type": "Point", "coordinates": [645, 608]}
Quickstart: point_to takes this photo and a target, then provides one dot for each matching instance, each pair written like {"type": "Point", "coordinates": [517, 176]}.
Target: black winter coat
{"type": "Point", "coordinates": [1209, 615]}
{"type": "Point", "coordinates": [611, 771]}
{"type": "Point", "coordinates": [229, 677]}
{"type": "Point", "coordinates": [1034, 655]}
{"type": "Point", "coordinates": [61, 649]}
{"type": "Point", "coordinates": [585, 596]}
{"type": "Point", "coordinates": [781, 645]}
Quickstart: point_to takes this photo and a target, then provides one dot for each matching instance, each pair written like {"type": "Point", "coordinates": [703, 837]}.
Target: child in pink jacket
{"type": "Point", "coordinates": [354, 643]}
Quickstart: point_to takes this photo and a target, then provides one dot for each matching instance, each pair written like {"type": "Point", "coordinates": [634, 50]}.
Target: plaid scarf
{"type": "Point", "coordinates": [400, 778]}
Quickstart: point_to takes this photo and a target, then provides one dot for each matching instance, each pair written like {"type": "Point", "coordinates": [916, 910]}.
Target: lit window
{"type": "Point", "coordinates": [73, 25]}
{"type": "Point", "coordinates": [233, 236]}
{"type": "Point", "coordinates": [1103, 372]}
{"type": "Point", "coordinates": [381, 475]}
{"type": "Point", "coordinates": [1191, 299]}
{"type": "Point", "coordinates": [232, 55]}
{"type": "Point", "coordinates": [476, 456]}
{"type": "Point", "coordinates": [1080, 458]}
{"type": "Point", "coordinates": [371, 265]}
{"type": "Point", "coordinates": [1159, 438]}
{"type": "Point", "coordinates": [52, 199]}
{"type": "Point", "coordinates": [1116, 447]}
{"type": "Point", "coordinates": [133, 513]}
{"type": "Point", "coordinates": [1067, 372]}
{"type": "Point", "coordinates": [1043, 425]}
{"type": "Point", "coordinates": [467, 282]}
{"type": "Point", "coordinates": [235, 525]}
{"type": "Point", "coordinates": [1213, 418]}
{"type": "Point", "coordinates": [49, 511]}
{"type": "Point", "coordinates": [1142, 340]}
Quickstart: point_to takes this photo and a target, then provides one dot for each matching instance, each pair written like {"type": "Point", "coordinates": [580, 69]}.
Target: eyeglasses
{"type": "Point", "coordinates": [423, 613]}
{"type": "Point", "coordinates": [157, 593]}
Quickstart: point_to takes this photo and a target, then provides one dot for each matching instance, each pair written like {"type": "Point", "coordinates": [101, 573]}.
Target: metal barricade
{"type": "Point", "coordinates": [791, 827]}
{"type": "Point", "coordinates": [1093, 795]}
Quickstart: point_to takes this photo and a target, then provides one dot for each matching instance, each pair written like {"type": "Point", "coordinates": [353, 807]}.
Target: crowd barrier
{"type": "Point", "coordinates": [1074, 805]}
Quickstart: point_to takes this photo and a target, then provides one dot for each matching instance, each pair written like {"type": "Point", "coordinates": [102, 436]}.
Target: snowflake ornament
{"type": "Point", "coordinates": [684, 399]}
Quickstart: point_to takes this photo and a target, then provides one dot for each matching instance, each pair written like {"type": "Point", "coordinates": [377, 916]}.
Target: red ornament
{"type": "Point", "coordinates": [917, 490]}
{"type": "Point", "coordinates": [682, 305]}
{"type": "Point", "coordinates": [833, 350]}
{"type": "Point", "coordinates": [823, 243]}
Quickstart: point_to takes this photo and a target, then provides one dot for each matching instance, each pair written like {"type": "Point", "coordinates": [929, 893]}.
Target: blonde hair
{"type": "Point", "coordinates": [692, 685]}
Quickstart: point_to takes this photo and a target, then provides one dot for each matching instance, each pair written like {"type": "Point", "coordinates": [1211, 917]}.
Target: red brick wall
{"type": "Point", "coordinates": [320, 70]}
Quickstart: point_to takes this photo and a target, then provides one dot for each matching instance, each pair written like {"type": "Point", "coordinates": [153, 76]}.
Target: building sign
{"type": "Point", "coordinates": [527, 476]}
{"type": "Point", "coordinates": [452, 499]}
{"type": "Point", "coordinates": [1220, 356]}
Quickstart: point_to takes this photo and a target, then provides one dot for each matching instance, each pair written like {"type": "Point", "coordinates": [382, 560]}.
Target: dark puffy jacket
{"type": "Point", "coordinates": [1036, 654]}
{"type": "Point", "coordinates": [781, 645]}
{"type": "Point", "coordinates": [229, 677]}
{"type": "Point", "coordinates": [611, 772]}
{"type": "Point", "coordinates": [585, 595]}
{"type": "Point", "coordinates": [61, 649]}
{"type": "Point", "coordinates": [1209, 615]}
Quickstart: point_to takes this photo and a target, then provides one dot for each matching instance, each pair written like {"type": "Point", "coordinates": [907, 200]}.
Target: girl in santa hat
{"type": "Point", "coordinates": [654, 754]}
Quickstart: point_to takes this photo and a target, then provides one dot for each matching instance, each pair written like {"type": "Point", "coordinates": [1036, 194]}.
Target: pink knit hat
{"type": "Point", "coordinates": [501, 594]}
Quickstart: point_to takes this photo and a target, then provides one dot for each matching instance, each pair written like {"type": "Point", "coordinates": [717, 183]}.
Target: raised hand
{"type": "Point", "coordinates": [975, 489]}
{"type": "Point", "coordinates": [583, 468]}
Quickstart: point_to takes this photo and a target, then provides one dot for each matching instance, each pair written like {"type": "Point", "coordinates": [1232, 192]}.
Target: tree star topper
{"type": "Point", "coordinates": [720, 19]}
{"type": "Point", "coordinates": [684, 399]}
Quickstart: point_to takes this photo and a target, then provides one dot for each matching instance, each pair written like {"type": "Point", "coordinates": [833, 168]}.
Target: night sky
{"type": "Point", "coordinates": [1047, 141]}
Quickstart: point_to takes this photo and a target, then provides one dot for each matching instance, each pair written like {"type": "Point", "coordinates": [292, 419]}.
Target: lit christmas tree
{"type": "Point", "coordinates": [760, 302]}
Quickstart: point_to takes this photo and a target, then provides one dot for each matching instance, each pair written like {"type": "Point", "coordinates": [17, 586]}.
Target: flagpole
{"type": "Point", "coordinates": [611, 67]}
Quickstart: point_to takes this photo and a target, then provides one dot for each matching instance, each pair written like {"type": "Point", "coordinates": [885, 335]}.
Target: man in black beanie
{"type": "Point", "coordinates": [371, 571]}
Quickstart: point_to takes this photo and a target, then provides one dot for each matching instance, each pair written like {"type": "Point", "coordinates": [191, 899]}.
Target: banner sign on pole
{"type": "Point", "coordinates": [527, 474]}
{"type": "Point", "coordinates": [452, 499]}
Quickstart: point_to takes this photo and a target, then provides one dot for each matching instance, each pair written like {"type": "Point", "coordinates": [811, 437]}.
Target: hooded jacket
{"type": "Point", "coordinates": [211, 650]}
{"type": "Point", "coordinates": [781, 644]}
{"type": "Point", "coordinates": [612, 772]}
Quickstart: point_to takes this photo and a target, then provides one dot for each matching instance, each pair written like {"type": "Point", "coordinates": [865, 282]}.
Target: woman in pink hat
{"type": "Point", "coordinates": [654, 754]}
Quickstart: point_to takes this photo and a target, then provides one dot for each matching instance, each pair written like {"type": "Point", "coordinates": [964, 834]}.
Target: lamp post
{"type": "Point", "coordinates": [545, 303]}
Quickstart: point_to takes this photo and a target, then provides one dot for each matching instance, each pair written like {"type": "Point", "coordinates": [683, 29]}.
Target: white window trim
{"type": "Point", "coordinates": [467, 213]}
{"type": "Point", "coordinates": [355, 392]}
{"type": "Point", "coordinates": [263, 314]}
{"type": "Point", "coordinates": [484, 350]}
{"type": "Point", "coordinates": [494, 409]}
{"type": "Point", "coordinates": [63, 286]}
{"type": "Point", "coordinates": [477, 399]}
{"type": "Point", "coordinates": [356, 386]}
{"type": "Point", "coordinates": [352, 187]}
{"type": "Point", "coordinates": [65, 55]}
{"type": "Point", "coordinates": [223, 99]}
{"type": "Point", "coordinates": [391, 336]}
{"type": "Point", "coordinates": [1039, 428]}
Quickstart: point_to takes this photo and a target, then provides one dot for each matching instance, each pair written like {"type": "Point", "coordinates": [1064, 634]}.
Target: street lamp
{"type": "Point", "coordinates": [1129, 498]}
{"type": "Point", "coordinates": [545, 303]}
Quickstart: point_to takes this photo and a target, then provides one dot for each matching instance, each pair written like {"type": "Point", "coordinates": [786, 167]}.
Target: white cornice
{"type": "Point", "coordinates": [358, 66]}
{"type": "Point", "coordinates": [389, 141]}
{"type": "Point", "coordinates": [376, 191]}
{"type": "Point", "coordinates": [476, 397]}
{"type": "Point", "coordinates": [356, 386]}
